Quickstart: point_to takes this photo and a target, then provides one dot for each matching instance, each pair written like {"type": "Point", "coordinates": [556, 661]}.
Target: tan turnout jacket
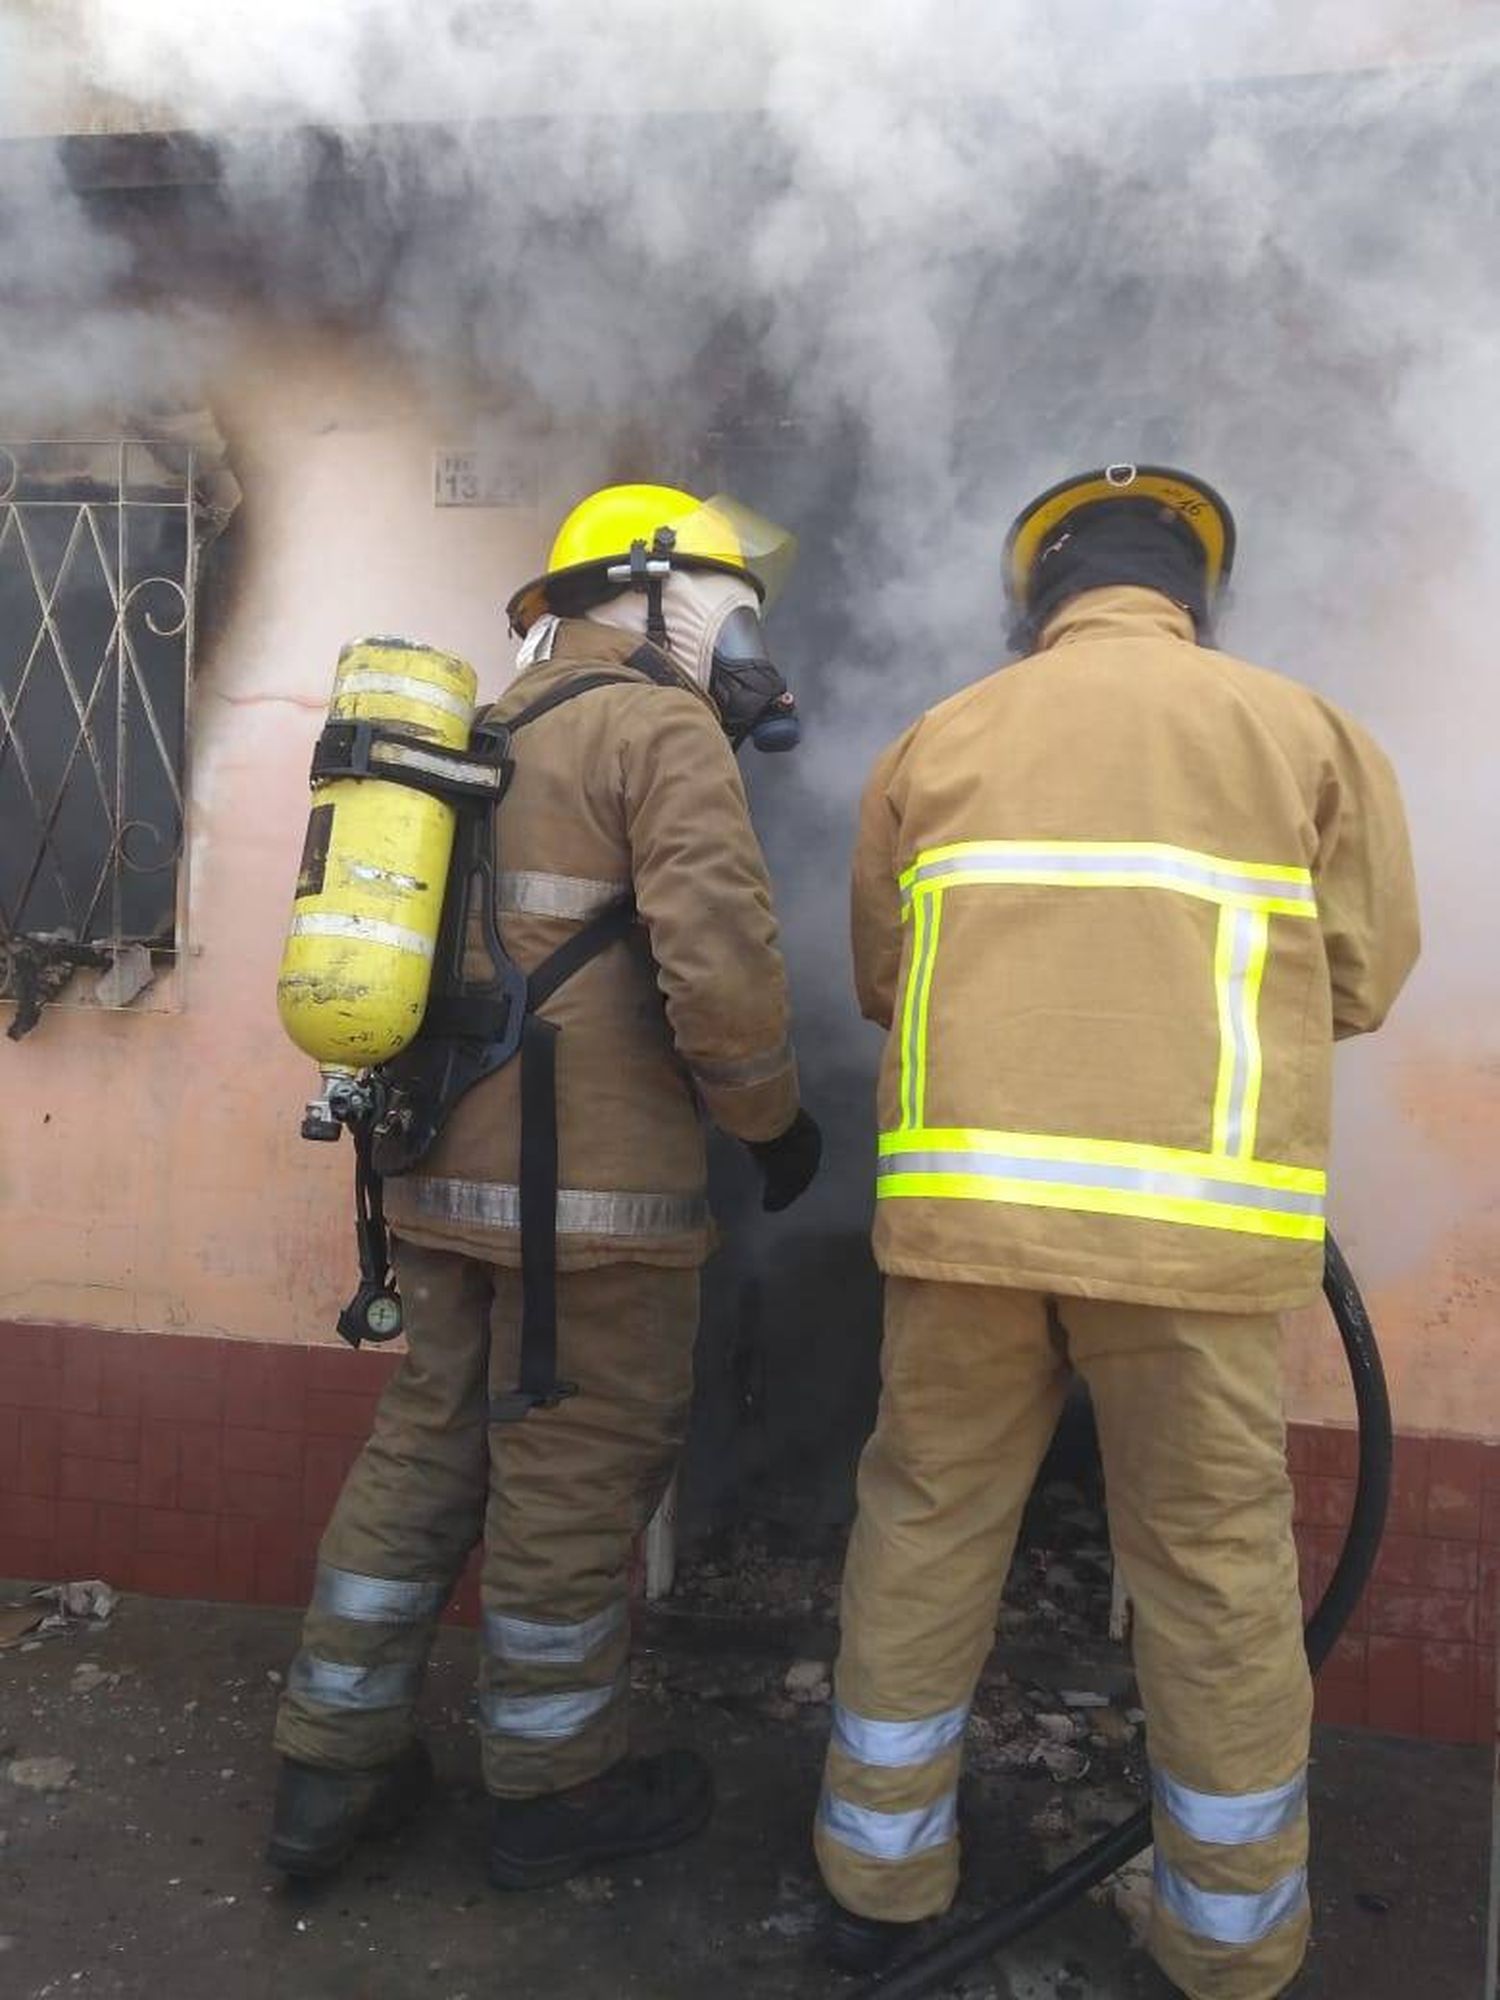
{"type": "Point", "coordinates": [1115, 903]}
{"type": "Point", "coordinates": [624, 787]}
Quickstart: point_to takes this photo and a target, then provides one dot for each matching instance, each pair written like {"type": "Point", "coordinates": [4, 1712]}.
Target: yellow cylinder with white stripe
{"type": "Point", "coordinates": [369, 902]}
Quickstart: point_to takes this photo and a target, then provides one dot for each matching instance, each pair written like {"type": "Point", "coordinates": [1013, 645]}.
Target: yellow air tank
{"type": "Point", "coordinates": [359, 952]}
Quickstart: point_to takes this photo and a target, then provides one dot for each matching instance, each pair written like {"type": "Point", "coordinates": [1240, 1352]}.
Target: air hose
{"type": "Point", "coordinates": [1006, 1922]}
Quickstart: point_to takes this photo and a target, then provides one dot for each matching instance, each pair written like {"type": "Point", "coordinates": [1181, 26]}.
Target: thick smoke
{"type": "Point", "coordinates": [886, 272]}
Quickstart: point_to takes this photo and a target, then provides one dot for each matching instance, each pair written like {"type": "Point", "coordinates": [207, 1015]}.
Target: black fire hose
{"type": "Point", "coordinates": [1003, 1925]}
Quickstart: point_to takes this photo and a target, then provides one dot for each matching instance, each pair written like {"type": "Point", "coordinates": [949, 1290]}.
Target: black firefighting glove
{"type": "Point", "coordinates": [787, 1163]}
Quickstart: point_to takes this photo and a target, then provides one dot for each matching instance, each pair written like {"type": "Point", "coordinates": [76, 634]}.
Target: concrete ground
{"type": "Point", "coordinates": [143, 1875]}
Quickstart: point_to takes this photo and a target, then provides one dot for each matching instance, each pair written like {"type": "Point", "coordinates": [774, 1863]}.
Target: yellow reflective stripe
{"type": "Point", "coordinates": [924, 1001]}
{"type": "Point", "coordinates": [1102, 1201]}
{"type": "Point", "coordinates": [1239, 965]}
{"type": "Point", "coordinates": [1107, 1153]}
{"type": "Point", "coordinates": [1260, 932]}
{"type": "Point", "coordinates": [1265, 871]}
{"type": "Point", "coordinates": [1228, 1050]}
{"type": "Point", "coordinates": [914, 1009]}
{"type": "Point", "coordinates": [1114, 864]}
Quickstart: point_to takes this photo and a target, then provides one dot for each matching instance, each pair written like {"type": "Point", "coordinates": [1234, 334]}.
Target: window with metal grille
{"type": "Point", "coordinates": [98, 555]}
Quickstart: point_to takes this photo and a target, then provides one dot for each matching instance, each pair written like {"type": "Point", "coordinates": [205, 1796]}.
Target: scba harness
{"type": "Point", "coordinates": [472, 1027]}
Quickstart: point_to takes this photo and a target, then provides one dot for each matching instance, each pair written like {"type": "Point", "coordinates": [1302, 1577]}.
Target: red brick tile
{"type": "Point", "coordinates": [264, 1385]}
{"type": "Point", "coordinates": [168, 1574]}
{"type": "Point", "coordinates": [115, 1541]}
{"type": "Point", "coordinates": [1323, 1502]}
{"type": "Point", "coordinates": [263, 1496]}
{"type": "Point", "coordinates": [99, 1479]}
{"type": "Point", "coordinates": [1489, 1598]}
{"type": "Point", "coordinates": [158, 1464]}
{"type": "Point", "coordinates": [121, 1362]}
{"type": "Point", "coordinates": [185, 1396]}
{"type": "Point", "coordinates": [1333, 1451]}
{"type": "Point", "coordinates": [1341, 1704]}
{"type": "Point", "coordinates": [170, 1532]}
{"type": "Point", "coordinates": [1450, 1677]}
{"type": "Point", "coordinates": [1423, 1614]}
{"type": "Point", "coordinates": [1455, 1489]}
{"type": "Point", "coordinates": [191, 1354]}
{"type": "Point", "coordinates": [1489, 1524]}
{"type": "Point", "coordinates": [1299, 1447]}
{"type": "Point", "coordinates": [77, 1538]}
{"type": "Point", "coordinates": [1408, 1515]}
{"type": "Point", "coordinates": [28, 1517]}
{"type": "Point", "coordinates": [10, 1442]}
{"type": "Point", "coordinates": [1349, 1660]}
{"type": "Point", "coordinates": [200, 1478]}
{"type": "Point", "coordinates": [82, 1370]}
{"type": "Point", "coordinates": [284, 1556]}
{"type": "Point", "coordinates": [1486, 1711]}
{"type": "Point", "coordinates": [325, 1466]}
{"type": "Point", "coordinates": [28, 1560]}
{"type": "Point", "coordinates": [35, 1467]}
{"type": "Point", "coordinates": [338, 1416]}
{"type": "Point", "coordinates": [101, 1437]}
{"type": "Point", "coordinates": [31, 1346]}
{"type": "Point", "coordinates": [234, 1573]}
{"type": "Point", "coordinates": [1410, 1562]}
{"type": "Point", "coordinates": [276, 1452]}
{"type": "Point", "coordinates": [23, 1387]}
{"type": "Point", "coordinates": [1395, 1686]}
{"type": "Point", "coordinates": [1492, 1464]}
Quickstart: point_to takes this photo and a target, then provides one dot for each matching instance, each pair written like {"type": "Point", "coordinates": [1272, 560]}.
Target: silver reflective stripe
{"type": "Point", "coordinates": [437, 766]}
{"type": "Point", "coordinates": [337, 1685]}
{"type": "Point", "coordinates": [544, 1718]}
{"type": "Point", "coordinates": [1231, 1819]}
{"type": "Point", "coordinates": [1090, 1173]}
{"type": "Point", "coordinates": [376, 1600]}
{"type": "Point", "coordinates": [889, 1836]}
{"type": "Point", "coordinates": [365, 680]}
{"type": "Point", "coordinates": [529, 892]}
{"type": "Point", "coordinates": [366, 930]}
{"type": "Point", "coordinates": [1226, 1919]}
{"type": "Point", "coordinates": [892, 1744]}
{"type": "Point", "coordinates": [1165, 870]}
{"type": "Point", "coordinates": [748, 1069]}
{"type": "Point", "coordinates": [526, 1641]}
{"type": "Point", "coordinates": [497, 1205]}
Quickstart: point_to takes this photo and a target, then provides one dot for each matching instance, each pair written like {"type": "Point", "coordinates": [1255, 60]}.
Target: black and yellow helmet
{"type": "Point", "coordinates": [1189, 504]}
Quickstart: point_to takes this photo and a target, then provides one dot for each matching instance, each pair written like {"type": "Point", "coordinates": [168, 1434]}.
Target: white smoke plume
{"type": "Point", "coordinates": [892, 268]}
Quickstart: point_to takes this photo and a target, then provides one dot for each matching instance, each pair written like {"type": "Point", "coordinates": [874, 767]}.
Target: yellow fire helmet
{"type": "Point", "coordinates": [1192, 499]}
{"type": "Point", "coordinates": [622, 536]}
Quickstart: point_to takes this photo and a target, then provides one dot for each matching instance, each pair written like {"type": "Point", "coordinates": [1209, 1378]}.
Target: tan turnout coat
{"type": "Point", "coordinates": [1115, 903]}
{"type": "Point", "coordinates": [629, 787]}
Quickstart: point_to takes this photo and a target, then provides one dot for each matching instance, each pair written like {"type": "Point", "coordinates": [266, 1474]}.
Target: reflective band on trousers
{"type": "Point", "coordinates": [525, 1641]}
{"type": "Point", "coordinates": [544, 1718]}
{"type": "Point", "coordinates": [892, 1744]}
{"type": "Point", "coordinates": [364, 930]}
{"type": "Point", "coordinates": [336, 1684]}
{"type": "Point", "coordinates": [1116, 864]}
{"type": "Point", "coordinates": [580, 1212]}
{"type": "Point", "coordinates": [376, 1600]}
{"type": "Point", "coordinates": [889, 1836]}
{"type": "Point", "coordinates": [1231, 1819]}
{"type": "Point", "coordinates": [1226, 1919]}
{"type": "Point", "coordinates": [365, 680]}
{"type": "Point", "coordinates": [1155, 1183]}
{"type": "Point", "coordinates": [747, 1069]}
{"type": "Point", "coordinates": [529, 892]}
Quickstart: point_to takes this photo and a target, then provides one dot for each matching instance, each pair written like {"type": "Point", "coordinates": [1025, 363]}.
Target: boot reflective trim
{"type": "Point", "coordinates": [1231, 1819]}
{"type": "Point", "coordinates": [892, 1744]}
{"type": "Point", "coordinates": [1225, 1919]}
{"type": "Point", "coordinates": [889, 1836]}
{"type": "Point", "coordinates": [525, 1641]}
{"type": "Point", "coordinates": [336, 1684]}
{"type": "Point", "coordinates": [1117, 864]}
{"type": "Point", "coordinates": [376, 1600]}
{"type": "Point", "coordinates": [580, 1212]}
{"type": "Point", "coordinates": [544, 1718]}
{"type": "Point", "coordinates": [748, 1070]}
{"type": "Point", "coordinates": [529, 892]}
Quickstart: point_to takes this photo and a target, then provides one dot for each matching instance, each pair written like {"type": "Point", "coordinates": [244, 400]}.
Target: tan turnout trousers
{"type": "Point", "coordinates": [558, 1499]}
{"type": "Point", "coordinates": [1189, 1410]}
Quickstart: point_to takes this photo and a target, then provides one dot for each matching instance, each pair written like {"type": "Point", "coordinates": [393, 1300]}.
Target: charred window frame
{"type": "Point", "coordinates": [99, 554]}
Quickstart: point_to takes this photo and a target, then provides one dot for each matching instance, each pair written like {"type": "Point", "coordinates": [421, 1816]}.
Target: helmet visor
{"type": "Point", "coordinates": [723, 530]}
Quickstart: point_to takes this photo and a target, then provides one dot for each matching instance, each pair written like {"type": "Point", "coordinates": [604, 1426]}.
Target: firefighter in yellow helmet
{"type": "Point", "coordinates": [621, 858]}
{"type": "Point", "coordinates": [1113, 904]}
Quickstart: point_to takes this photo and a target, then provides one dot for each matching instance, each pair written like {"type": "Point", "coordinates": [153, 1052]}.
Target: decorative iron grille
{"type": "Point", "coordinates": [98, 558]}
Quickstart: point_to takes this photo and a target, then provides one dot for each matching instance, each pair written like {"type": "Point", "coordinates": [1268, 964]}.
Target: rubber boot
{"type": "Point", "coordinates": [321, 1815]}
{"type": "Point", "coordinates": [863, 1945]}
{"type": "Point", "coordinates": [638, 1805]}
